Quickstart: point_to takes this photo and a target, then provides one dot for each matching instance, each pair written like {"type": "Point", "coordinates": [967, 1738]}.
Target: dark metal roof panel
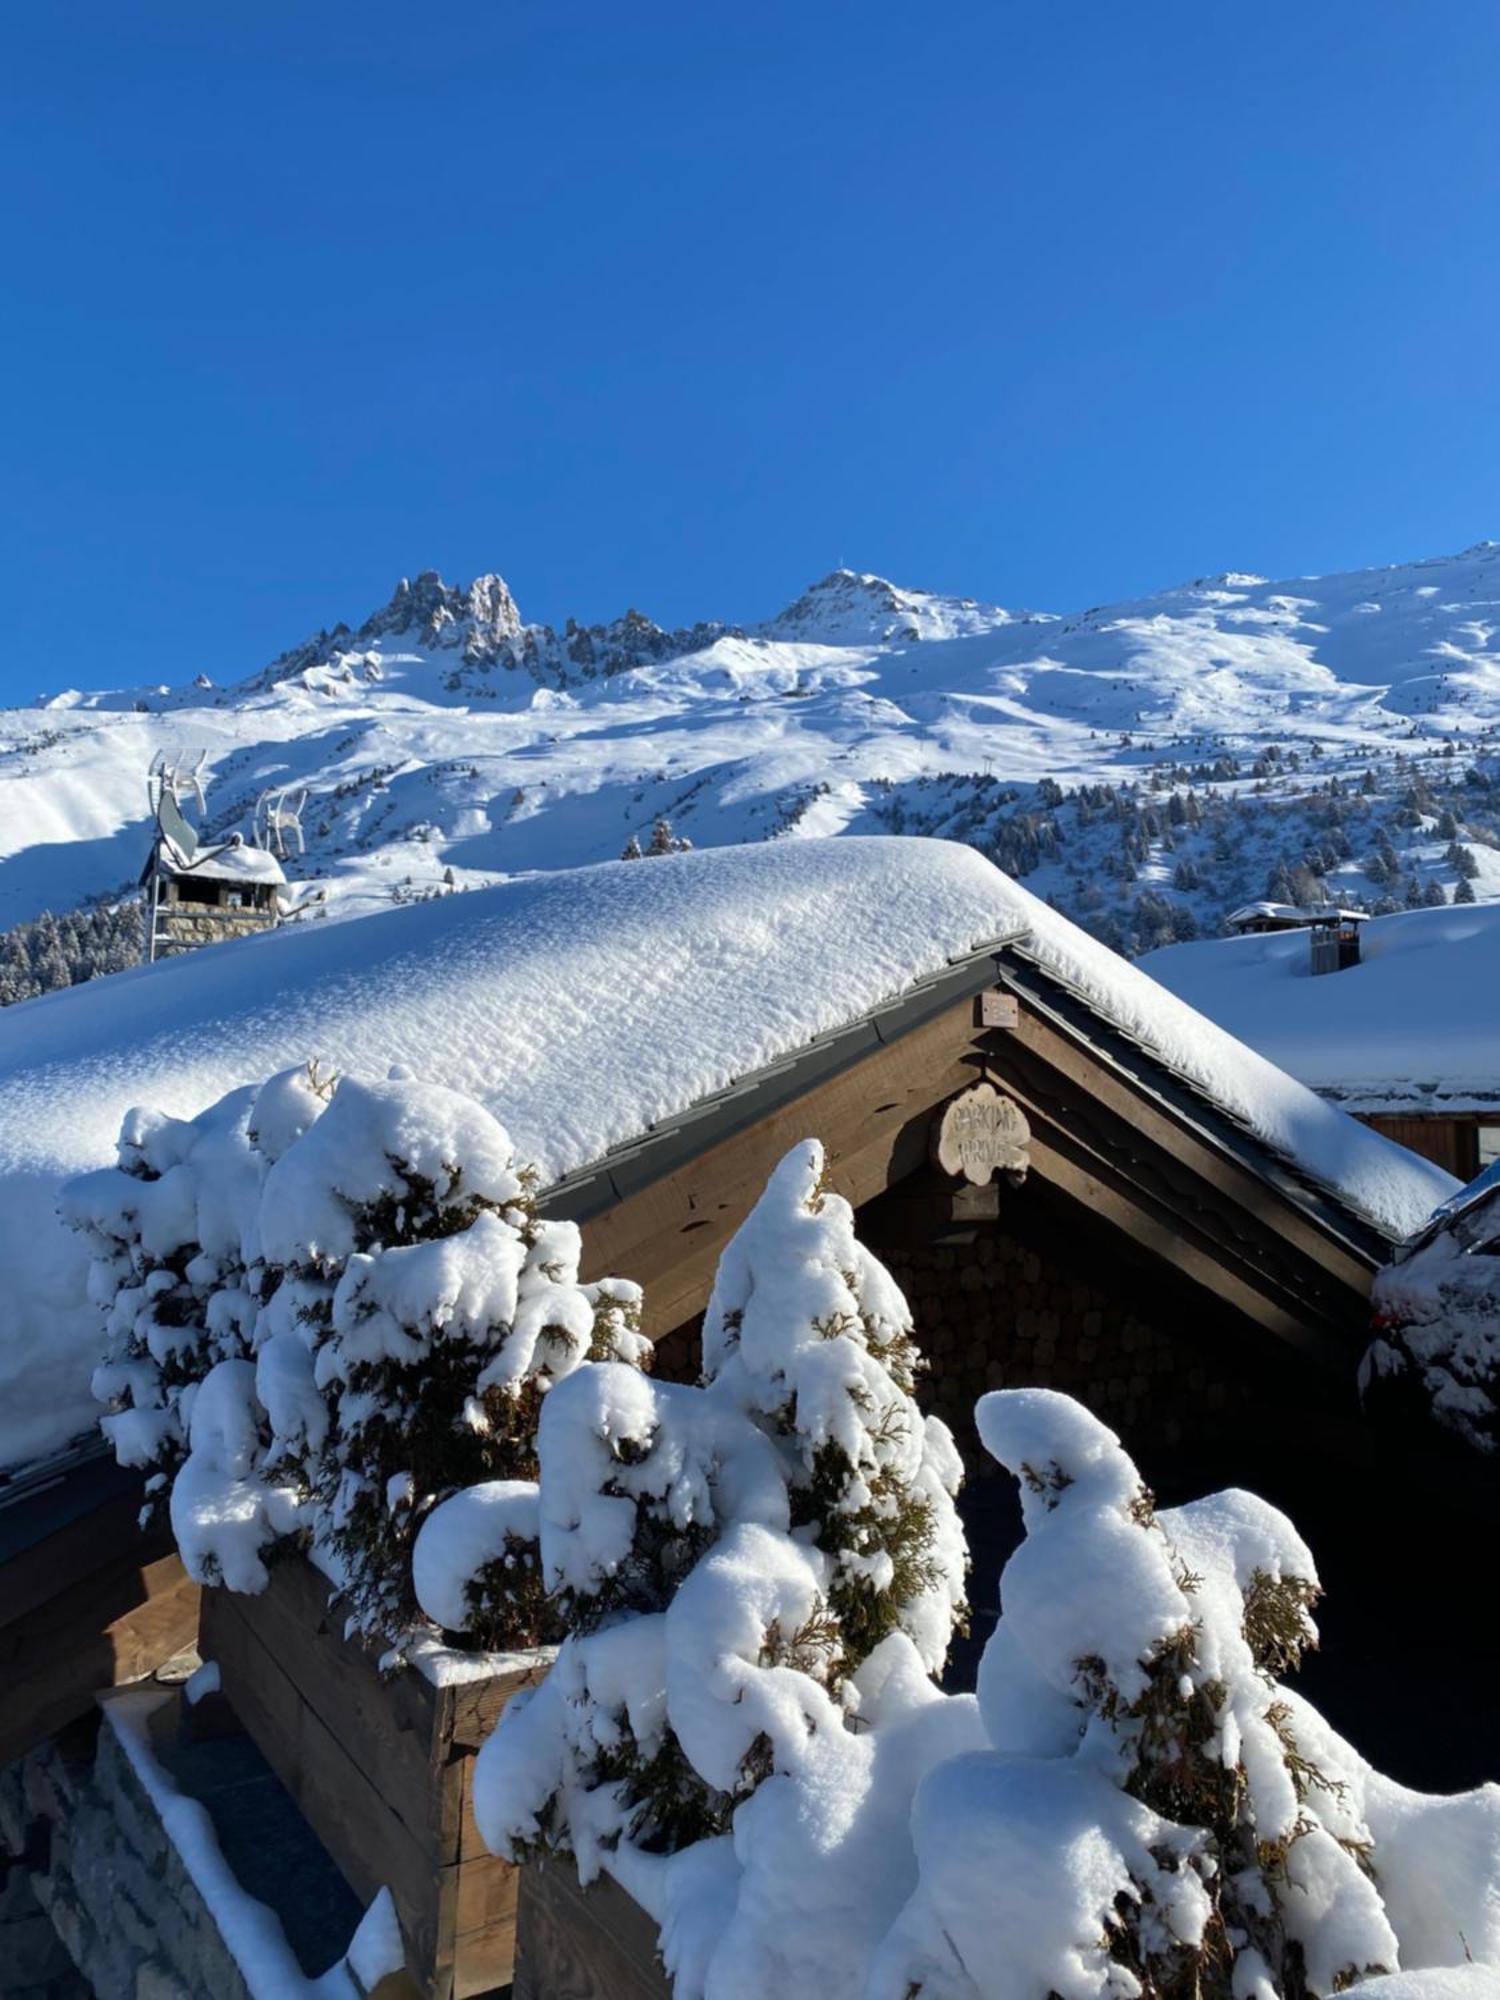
{"type": "Point", "coordinates": [42, 1498]}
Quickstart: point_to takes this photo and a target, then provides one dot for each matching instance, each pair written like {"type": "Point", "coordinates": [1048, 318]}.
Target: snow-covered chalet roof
{"type": "Point", "coordinates": [235, 861]}
{"type": "Point", "coordinates": [583, 1007]}
{"type": "Point", "coordinates": [1413, 1028]}
{"type": "Point", "coordinates": [1296, 913]}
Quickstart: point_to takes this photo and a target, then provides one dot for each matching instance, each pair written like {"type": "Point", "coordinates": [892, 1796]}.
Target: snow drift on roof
{"type": "Point", "coordinates": [583, 1007]}
{"type": "Point", "coordinates": [1413, 1027]}
{"type": "Point", "coordinates": [235, 861]}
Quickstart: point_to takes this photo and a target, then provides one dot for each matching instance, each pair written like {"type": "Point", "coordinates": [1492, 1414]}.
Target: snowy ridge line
{"type": "Point", "coordinates": [672, 1141]}
{"type": "Point", "coordinates": [444, 744]}
{"type": "Point", "coordinates": [1334, 1208]}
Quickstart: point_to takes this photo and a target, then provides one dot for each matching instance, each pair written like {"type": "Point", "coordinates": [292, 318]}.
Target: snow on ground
{"type": "Point", "coordinates": [582, 1007]}
{"type": "Point", "coordinates": [1414, 1026]}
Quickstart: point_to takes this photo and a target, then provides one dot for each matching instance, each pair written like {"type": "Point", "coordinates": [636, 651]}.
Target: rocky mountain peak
{"type": "Point", "coordinates": [854, 607]}
{"type": "Point", "coordinates": [482, 616]}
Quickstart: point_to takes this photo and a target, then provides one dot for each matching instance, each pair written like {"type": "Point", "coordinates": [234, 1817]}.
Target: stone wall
{"type": "Point", "coordinates": [184, 927]}
{"type": "Point", "coordinates": [1046, 1297]}
{"type": "Point", "coordinates": [34, 1964]}
{"type": "Point", "coordinates": [97, 1866]}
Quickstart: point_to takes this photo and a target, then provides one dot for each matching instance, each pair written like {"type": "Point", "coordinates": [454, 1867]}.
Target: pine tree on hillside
{"type": "Point", "coordinates": [66, 948]}
{"type": "Point", "coordinates": [665, 841]}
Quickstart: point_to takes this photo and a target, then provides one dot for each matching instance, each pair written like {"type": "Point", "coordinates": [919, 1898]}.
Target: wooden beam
{"type": "Point", "coordinates": [117, 1624]}
{"type": "Point", "coordinates": [1107, 1087]}
{"type": "Point", "coordinates": [670, 1234]}
{"type": "Point", "coordinates": [1163, 1235]}
{"type": "Point", "coordinates": [1159, 1184]}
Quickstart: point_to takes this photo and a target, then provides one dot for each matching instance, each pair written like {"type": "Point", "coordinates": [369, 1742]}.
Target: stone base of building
{"type": "Point", "coordinates": [188, 926]}
{"type": "Point", "coordinates": [101, 1897]}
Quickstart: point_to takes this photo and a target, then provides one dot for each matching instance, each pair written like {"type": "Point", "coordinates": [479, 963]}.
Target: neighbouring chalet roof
{"type": "Point", "coordinates": [1413, 1029]}
{"type": "Point", "coordinates": [1295, 915]}
{"type": "Point", "coordinates": [609, 1015]}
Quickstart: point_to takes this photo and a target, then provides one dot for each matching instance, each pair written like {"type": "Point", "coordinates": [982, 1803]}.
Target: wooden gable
{"type": "Point", "coordinates": [1108, 1129]}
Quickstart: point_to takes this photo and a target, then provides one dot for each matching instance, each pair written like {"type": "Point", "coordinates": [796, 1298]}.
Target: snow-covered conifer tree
{"type": "Point", "coordinates": [1435, 1355]}
{"type": "Point", "coordinates": [732, 1558]}
{"type": "Point", "coordinates": [807, 1331]}
{"type": "Point", "coordinates": [169, 1270]}
{"type": "Point", "coordinates": [639, 1480]}
{"type": "Point", "coordinates": [330, 1308]}
{"type": "Point", "coordinates": [1134, 1807]}
{"type": "Point", "coordinates": [437, 1307]}
{"type": "Point", "coordinates": [1157, 1815]}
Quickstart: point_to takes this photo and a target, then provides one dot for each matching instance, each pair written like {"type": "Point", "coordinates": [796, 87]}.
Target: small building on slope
{"type": "Point", "coordinates": [1407, 1039]}
{"type": "Point", "coordinates": [208, 896]}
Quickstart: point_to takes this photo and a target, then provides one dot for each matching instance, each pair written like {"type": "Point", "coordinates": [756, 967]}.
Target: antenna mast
{"type": "Point", "coordinates": [169, 783]}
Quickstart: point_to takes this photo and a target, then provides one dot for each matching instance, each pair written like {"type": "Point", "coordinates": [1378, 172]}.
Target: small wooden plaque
{"type": "Point", "coordinates": [999, 1010]}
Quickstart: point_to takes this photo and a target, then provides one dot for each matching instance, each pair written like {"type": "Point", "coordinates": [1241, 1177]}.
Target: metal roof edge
{"type": "Point", "coordinates": [635, 1163]}
{"type": "Point", "coordinates": [1280, 1171]}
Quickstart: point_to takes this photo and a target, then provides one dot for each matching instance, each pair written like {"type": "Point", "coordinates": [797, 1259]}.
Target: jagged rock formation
{"type": "Point", "coordinates": [481, 622]}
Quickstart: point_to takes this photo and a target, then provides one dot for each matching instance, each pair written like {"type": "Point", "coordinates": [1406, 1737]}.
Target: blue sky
{"type": "Point", "coordinates": [681, 306]}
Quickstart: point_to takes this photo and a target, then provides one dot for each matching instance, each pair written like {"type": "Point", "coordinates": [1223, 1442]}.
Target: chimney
{"type": "Point", "coordinates": [1334, 942]}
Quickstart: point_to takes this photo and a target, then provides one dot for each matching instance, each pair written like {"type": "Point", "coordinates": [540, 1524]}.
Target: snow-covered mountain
{"type": "Point", "coordinates": [1147, 765]}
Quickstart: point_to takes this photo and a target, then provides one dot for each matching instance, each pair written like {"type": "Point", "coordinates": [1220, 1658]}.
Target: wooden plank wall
{"type": "Point", "coordinates": [1453, 1143]}
{"type": "Point", "coordinates": [92, 1606]}
{"type": "Point", "coordinates": [583, 1944]}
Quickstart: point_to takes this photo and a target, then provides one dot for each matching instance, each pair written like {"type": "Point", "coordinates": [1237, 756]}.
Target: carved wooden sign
{"type": "Point", "coordinates": [983, 1133]}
